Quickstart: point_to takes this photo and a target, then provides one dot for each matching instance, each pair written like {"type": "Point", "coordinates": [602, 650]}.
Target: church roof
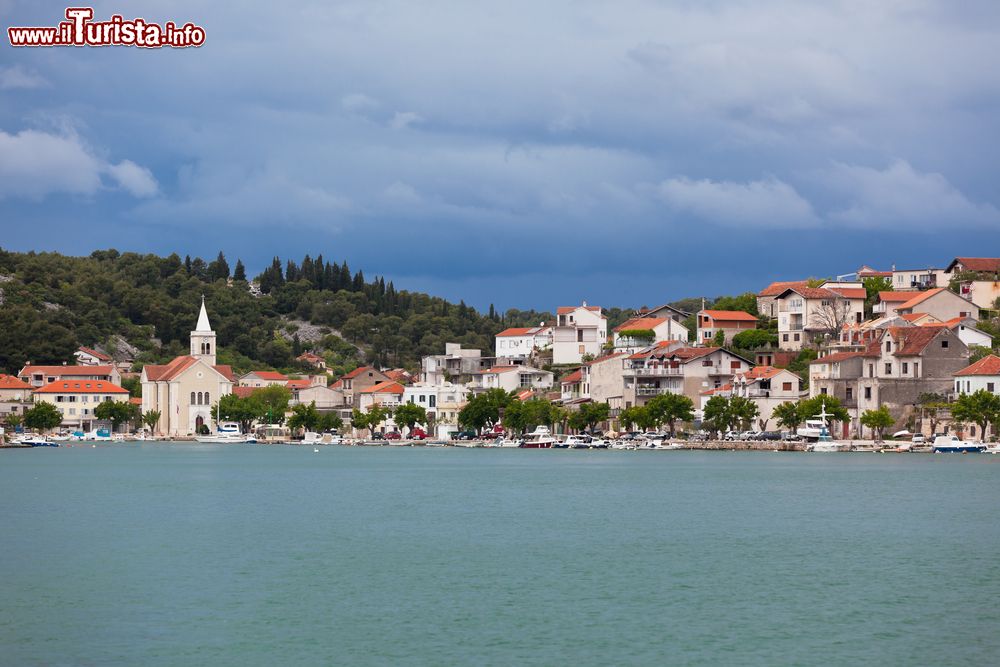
{"type": "Point", "coordinates": [203, 324]}
{"type": "Point", "coordinates": [168, 372]}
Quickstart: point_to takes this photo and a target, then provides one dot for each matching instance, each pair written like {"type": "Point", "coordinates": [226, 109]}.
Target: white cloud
{"type": "Point", "coordinates": [34, 164]}
{"type": "Point", "coordinates": [137, 180]}
{"type": "Point", "coordinates": [15, 76]}
{"type": "Point", "coordinates": [403, 119]}
{"type": "Point", "coordinates": [358, 103]}
{"type": "Point", "coordinates": [764, 203]}
{"type": "Point", "coordinates": [899, 194]}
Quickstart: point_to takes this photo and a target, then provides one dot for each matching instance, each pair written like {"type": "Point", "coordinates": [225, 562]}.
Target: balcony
{"type": "Point", "coordinates": [654, 372]}
{"type": "Point", "coordinates": [646, 390]}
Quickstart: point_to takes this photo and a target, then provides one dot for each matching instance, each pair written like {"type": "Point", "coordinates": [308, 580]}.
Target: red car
{"type": "Point", "coordinates": [393, 435]}
{"type": "Point", "coordinates": [418, 434]}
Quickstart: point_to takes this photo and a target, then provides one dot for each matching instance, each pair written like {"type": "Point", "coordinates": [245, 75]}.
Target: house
{"type": "Point", "coordinates": [442, 403]}
{"type": "Point", "coordinates": [806, 313]}
{"type": "Point", "coordinates": [76, 399]}
{"type": "Point", "coordinates": [38, 376]}
{"type": "Point", "coordinates": [455, 365]}
{"type": "Point", "coordinates": [400, 375]}
{"type": "Point", "coordinates": [518, 344]}
{"type": "Point", "coordinates": [666, 368]}
{"type": "Point", "coordinates": [729, 322]}
{"type": "Point", "coordinates": [886, 303]}
{"type": "Point", "coordinates": [837, 375]}
{"type": "Point", "coordinates": [766, 304]}
{"type": "Point", "coordinates": [571, 386]}
{"type": "Point", "coordinates": [511, 378]}
{"type": "Point", "coordinates": [979, 279]}
{"type": "Point", "coordinates": [388, 394]}
{"type": "Point", "coordinates": [603, 379]}
{"type": "Point", "coordinates": [640, 332]}
{"type": "Point", "coordinates": [580, 331]}
{"type": "Point", "coordinates": [918, 279]}
{"type": "Point", "coordinates": [868, 272]}
{"type": "Point", "coordinates": [314, 390]}
{"type": "Point", "coordinates": [983, 374]}
{"type": "Point", "coordinates": [314, 360]}
{"type": "Point", "coordinates": [941, 303]}
{"type": "Point", "coordinates": [15, 396]}
{"type": "Point", "coordinates": [355, 382]}
{"type": "Point", "coordinates": [903, 363]}
{"type": "Point", "coordinates": [184, 390]}
{"type": "Point", "coordinates": [966, 329]}
{"type": "Point", "coordinates": [666, 310]}
{"type": "Point", "coordinates": [263, 379]}
{"type": "Point", "coordinates": [86, 356]}
{"type": "Point", "coordinates": [767, 386]}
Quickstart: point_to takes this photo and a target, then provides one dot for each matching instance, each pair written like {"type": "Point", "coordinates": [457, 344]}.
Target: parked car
{"type": "Point", "coordinates": [418, 434]}
{"type": "Point", "coordinates": [464, 435]}
{"type": "Point", "coordinates": [918, 439]}
{"type": "Point", "coordinates": [770, 435]}
{"type": "Point", "coordinates": [377, 436]}
{"type": "Point", "coordinates": [393, 435]}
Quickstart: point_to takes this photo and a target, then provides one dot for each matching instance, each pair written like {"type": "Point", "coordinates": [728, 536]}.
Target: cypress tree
{"type": "Point", "coordinates": [240, 272]}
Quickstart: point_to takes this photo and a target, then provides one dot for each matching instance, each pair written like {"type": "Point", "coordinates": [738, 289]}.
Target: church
{"type": "Point", "coordinates": [184, 390]}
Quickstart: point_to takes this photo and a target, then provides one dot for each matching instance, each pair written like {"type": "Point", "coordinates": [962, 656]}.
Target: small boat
{"type": "Point", "coordinates": [313, 438]}
{"type": "Point", "coordinates": [951, 444]}
{"type": "Point", "coordinates": [992, 449]}
{"type": "Point", "coordinates": [827, 446]}
{"type": "Point", "coordinates": [35, 441]}
{"type": "Point", "coordinates": [226, 433]}
{"type": "Point", "coordinates": [540, 438]}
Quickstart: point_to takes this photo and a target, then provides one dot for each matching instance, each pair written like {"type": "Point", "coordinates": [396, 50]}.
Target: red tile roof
{"type": "Point", "coordinates": [913, 317]}
{"type": "Point", "coordinates": [80, 387]}
{"type": "Point", "coordinates": [243, 392]}
{"type": "Point", "coordinates": [762, 372]}
{"type": "Point", "coordinates": [774, 289]}
{"type": "Point", "coordinates": [500, 369]}
{"type": "Point", "coordinates": [167, 372]}
{"type": "Point", "coordinates": [988, 264]}
{"type": "Point", "coordinates": [227, 371]}
{"type": "Point", "coordinates": [988, 365]}
{"type": "Point", "coordinates": [524, 395]}
{"type": "Point", "coordinates": [11, 382]}
{"type": "Point", "coordinates": [399, 375]}
{"type": "Point", "coordinates": [522, 331]}
{"type": "Point", "coordinates": [920, 297]}
{"type": "Point", "coordinates": [641, 323]}
{"type": "Point", "coordinates": [893, 297]}
{"type": "Point", "coordinates": [575, 376]}
{"type": "Point", "coordinates": [94, 353]}
{"type": "Point", "coordinates": [356, 372]}
{"type": "Point", "coordinates": [308, 356]}
{"type": "Point", "coordinates": [67, 371]}
{"type": "Point", "coordinates": [387, 387]}
{"type": "Point", "coordinates": [298, 384]}
{"type": "Point", "coordinates": [565, 310]}
{"type": "Point", "coordinates": [828, 292]}
{"type": "Point", "coordinates": [912, 340]}
{"type": "Point", "coordinates": [717, 390]}
{"type": "Point", "coordinates": [606, 357]}
{"type": "Point", "coordinates": [729, 315]}
{"type": "Point", "coordinates": [339, 384]}
{"type": "Point", "coordinates": [135, 400]}
{"type": "Point", "coordinates": [269, 375]}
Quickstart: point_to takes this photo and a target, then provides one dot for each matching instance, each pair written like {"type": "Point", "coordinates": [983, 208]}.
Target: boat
{"type": "Point", "coordinates": [273, 434]}
{"type": "Point", "coordinates": [540, 438]}
{"type": "Point", "coordinates": [313, 438]}
{"type": "Point", "coordinates": [812, 430]}
{"type": "Point", "coordinates": [226, 433]}
{"type": "Point", "coordinates": [992, 449]}
{"type": "Point", "coordinates": [826, 446]}
{"type": "Point", "coordinates": [951, 444]}
{"type": "Point", "coordinates": [34, 441]}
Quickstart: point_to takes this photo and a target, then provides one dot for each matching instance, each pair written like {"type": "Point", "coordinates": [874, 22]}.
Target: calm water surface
{"type": "Point", "coordinates": [190, 554]}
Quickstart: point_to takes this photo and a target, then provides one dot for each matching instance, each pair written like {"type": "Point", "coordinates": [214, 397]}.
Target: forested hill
{"type": "Point", "coordinates": [51, 303]}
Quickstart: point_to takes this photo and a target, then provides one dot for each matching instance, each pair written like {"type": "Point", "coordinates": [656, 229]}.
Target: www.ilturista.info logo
{"type": "Point", "coordinates": [80, 30]}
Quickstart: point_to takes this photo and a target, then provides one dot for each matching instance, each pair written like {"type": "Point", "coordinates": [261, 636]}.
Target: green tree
{"type": "Point", "coordinates": [244, 411]}
{"type": "Point", "coordinates": [42, 417]}
{"type": "Point", "coordinates": [133, 385]}
{"type": "Point", "coordinates": [810, 408]}
{"type": "Point", "coordinates": [273, 402]}
{"type": "Point", "coordinates": [977, 352]}
{"type": "Point", "coordinates": [240, 272]}
{"type": "Point", "coordinates": [219, 269]}
{"type": "Point", "coordinates": [371, 418]}
{"type": "Point", "coordinates": [13, 420]}
{"type": "Point", "coordinates": [669, 409]}
{"type": "Point", "coordinates": [151, 419]}
{"type": "Point", "coordinates": [873, 286]}
{"type": "Point", "coordinates": [484, 409]}
{"type": "Point", "coordinates": [753, 339]}
{"type": "Point", "coordinates": [589, 416]}
{"type": "Point", "coordinates": [742, 411]}
{"type": "Point", "coordinates": [117, 412]}
{"type": "Point", "coordinates": [981, 407]}
{"type": "Point", "coordinates": [716, 414]}
{"type": "Point", "coordinates": [409, 415]}
{"type": "Point", "coordinates": [330, 421]}
{"type": "Point", "coordinates": [719, 339]}
{"type": "Point", "coordinates": [747, 302]}
{"type": "Point", "coordinates": [877, 421]}
{"type": "Point", "coordinates": [787, 415]}
{"type": "Point", "coordinates": [304, 416]}
{"type": "Point", "coordinates": [521, 416]}
{"type": "Point", "coordinates": [636, 416]}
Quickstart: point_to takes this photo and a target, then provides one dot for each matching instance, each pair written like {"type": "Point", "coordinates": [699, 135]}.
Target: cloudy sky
{"type": "Point", "coordinates": [529, 153]}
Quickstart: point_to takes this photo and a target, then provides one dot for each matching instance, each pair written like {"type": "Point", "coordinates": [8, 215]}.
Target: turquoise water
{"type": "Point", "coordinates": [192, 554]}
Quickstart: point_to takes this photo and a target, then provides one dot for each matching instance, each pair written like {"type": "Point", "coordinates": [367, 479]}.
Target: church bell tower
{"type": "Point", "coordinates": [203, 338]}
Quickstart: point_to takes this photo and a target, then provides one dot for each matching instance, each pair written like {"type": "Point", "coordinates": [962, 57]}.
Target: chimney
{"type": "Point", "coordinates": [584, 304]}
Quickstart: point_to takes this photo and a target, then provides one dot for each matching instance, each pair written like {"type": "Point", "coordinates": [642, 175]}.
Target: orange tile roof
{"type": "Point", "coordinates": [575, 376]}
{"type": "Point", "coordinates": [717, 390]}
{"type": "Point", "coordinates": [169, 371]}
{"type": "Point", "coordinates": [269, 375]}
{"type": "Point", "coordinates": [828, 292]}
{"type": "Point", "coordinates": [774, 289]}
{"type": "Point", "coordinates": [564, 310]}
{"type": "Point", "coordinates": [308, 356]}
{"type": "Point", "coordinates": [81, 387]}
{"type": "Point", "coordinates": [729, 315]}
{"type": "Point", "coordinates": [989, 264]}
{"type": "Point", "coordinates": [762, 372]}
{"type": "Point", "coordinates": [68, 370]}
{"type": "Point", "coordinates": [988, 365]}
{"type": "Point", "coordinates": [606, 357]}
{"type": "Point", "coordinates": [298, 384]}
{"type": "Point", "coordinates": [227, 371]}
{"type": "Point", "coordinates": [524, 395]}
{"type": "Point", "coordinates": [921, 297]}
{"type": "Point", "coordinates": [243, 392]}
{"type": "Point", "coordinates": [399, 375]}
{"type": "Point", "coordinates": [913, 317]}
{"type": "Point", "coordinates": [356, 372]}
{"type": "Point", "coordinates": [94, 353]}
{"type": "Point", "coordinates": [894, 297]}
{"type": "Point", "coordinates": [912, 340]}
{"type": "Point", "coordinates": [338, 384]}
{"type": "Point", "coordinates": [500, 369]}
{"type": "Point", "coordinates": [11, 382]}
{"type": "Point", "coordinates": [387, 387]}
{"type": "Point", "coordinates": [641, 323]}
{"type": "Point", "coordinates": [135, 400]}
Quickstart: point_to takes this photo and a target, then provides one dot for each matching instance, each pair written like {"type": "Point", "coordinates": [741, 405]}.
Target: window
{"type": "Point", "coordinates": [784, 337]}
{"type": "Point", "coordinates": [72, 411]}
{"type": "Point", "coordinates": [207, 399]}
{"type": "Point", "coordinates": [868, 393]}
{"type": "Point", "coordinates": [192, 398]}
{"type": "Point", "coordinates": [906, 368]}
{"type": "Point", "coordinates": [871, 370]}
{"type": "Point", "coordinates": [797, 337]}
{"type": "Point", "coordinates": [888, 369]}
{"type": "Point", "coordinates": [432, 402]}
{"type": "Point", "coordinates": [823, 391]}
{"type": "Point", "coordinates": [944, 344]}
{"type": "Point", "coordinates": [786, 386]}
{"type": "Point", "coordinates": [989, 387]}
{"type": "Point", "coordinates": [888, 346]}
{"type": "Point", "coordinates": [849, 393]}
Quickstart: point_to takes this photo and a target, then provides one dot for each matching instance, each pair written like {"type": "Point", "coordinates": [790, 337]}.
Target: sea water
{"type": "Point", "coordinates": [188, 554]}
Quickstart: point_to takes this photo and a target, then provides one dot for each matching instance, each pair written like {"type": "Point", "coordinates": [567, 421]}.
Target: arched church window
{"type": "Point", "coordinates": [192, 398]}
{"type": "Point", "coordinates": [207, 401]}
{"type": "Point", "coordinates": [199, 398]}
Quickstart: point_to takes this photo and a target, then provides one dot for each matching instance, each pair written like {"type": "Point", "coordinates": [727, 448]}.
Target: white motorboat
{"type": "Point", "coordinates": [313, 438]}
{"type": "Point", "coordinates": [952, 444]}
{"type": "Point", "coordinates": [540, 438]}
{"type": "Point", "coordinates": [226, 433]}
{"type": "Point", "coordinates": [992, 449]}
{"type": "Point", "coordinates": [34, 441]}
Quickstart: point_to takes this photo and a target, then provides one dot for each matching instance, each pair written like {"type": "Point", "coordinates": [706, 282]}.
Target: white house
{"type": "Point", "coordinates": [730, 322]}
{"type": "Point", "coordinates": [806, 312]}
{"type": "Point", "coordinates": [627, 336]}
{"type": "Point", "coordinates": [519, 343]}
{"type": "Point", "coordinates": [86, 356]}
{"type": "Point", "coordinates": [668, 369]}
{"type": "Point", "coordinates": [984, 374]}
{"type": "Point", "coordinates": [510, 378]}
{"type": "Point", "coordinates": [941, 303]}
{"type": "Point", "coordinates": [767, 386]}
{"type": "Point", "coordinates": [263, 379]}
{"type": "Point", "coordinates": [441, 401]}
{"type": "Point", "coordinates": [580, 330]}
